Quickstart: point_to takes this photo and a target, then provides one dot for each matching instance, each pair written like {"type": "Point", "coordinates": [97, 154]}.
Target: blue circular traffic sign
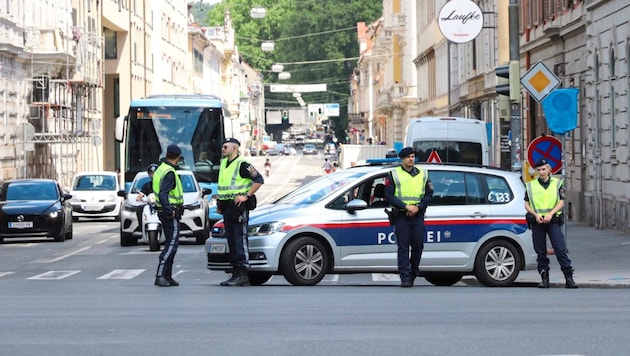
{"type": "Point", "coordinates": [547, 147]}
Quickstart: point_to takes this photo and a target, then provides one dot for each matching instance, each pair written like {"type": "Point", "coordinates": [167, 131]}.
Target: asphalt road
{"type": "Point", "coordinates": [90, 296]}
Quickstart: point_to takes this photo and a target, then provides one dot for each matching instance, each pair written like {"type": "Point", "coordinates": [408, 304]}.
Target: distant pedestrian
{"type": "Point", "coordinates": [267, 167]}
{"type": "Point", "coordinates": [408, 190]}
{"type": "Point", "coordinates": [327, 166]}
{"type": "Point", "coordinates": [544, 200]}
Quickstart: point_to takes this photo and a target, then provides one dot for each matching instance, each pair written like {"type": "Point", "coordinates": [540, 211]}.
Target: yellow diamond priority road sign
{"type": "Point", "coordinates": [539, 81]}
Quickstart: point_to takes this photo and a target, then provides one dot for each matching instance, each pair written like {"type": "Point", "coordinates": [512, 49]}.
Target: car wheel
{"type": "Point", "coordinates": [154, 243]}
{"type": "Point", "coordinates": [258, 278]}
{"type": "Point", "coordinates": [69, 234]}
{"type": "Point", "coordinates": [202, 236]}
{"type": "Point", "coordinates": [443, 279]}
{"type": "Point", "coordinates": [61, 237]}
{"type": "Point", "coordinates": [497, 264]}
{"type": "Point", "coordinates": [304, 261]}
{"type": "Point", "coordinates": [127, 239]}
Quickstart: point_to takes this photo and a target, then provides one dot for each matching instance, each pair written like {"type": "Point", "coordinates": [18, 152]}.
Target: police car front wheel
{"type": "Point", "coordinates": [497, 264]}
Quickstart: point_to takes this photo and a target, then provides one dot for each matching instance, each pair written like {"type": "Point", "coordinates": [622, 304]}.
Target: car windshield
{"type": "Point", "coordinates": [95, 182]}
{"type": "Point", "coordinates": [29, 191]}
{"type": "Point", "coordinates": [320, 188]}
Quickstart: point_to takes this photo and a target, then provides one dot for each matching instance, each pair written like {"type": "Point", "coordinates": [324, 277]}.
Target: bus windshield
{"type": "Point", "coordinates": [449, 151]}
{"type": "Point", "coordinates": [197, 130]}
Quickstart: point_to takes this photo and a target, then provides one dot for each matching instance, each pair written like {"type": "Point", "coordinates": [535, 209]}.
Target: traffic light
{"type": "Point", "coordinates": [510, 86]}
{"type": "Point", "coordinates": [285, 117]}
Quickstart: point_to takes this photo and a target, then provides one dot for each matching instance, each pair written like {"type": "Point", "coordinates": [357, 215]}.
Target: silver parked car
{"type": "Point", "coordinates": [475, 225]}
{"type": "Point", "coordinates": [194, 222]}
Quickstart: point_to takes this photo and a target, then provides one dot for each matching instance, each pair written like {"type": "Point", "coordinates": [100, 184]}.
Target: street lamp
{"type": "Point", "coordinates": [267, 46]}
{"type": "Point", "coordinates": [258, 12]}
{"type": "Point", "coordinates": [284, 75]}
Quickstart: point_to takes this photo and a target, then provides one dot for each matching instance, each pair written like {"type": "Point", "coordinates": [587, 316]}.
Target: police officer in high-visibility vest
{"type": "Point", "coordinates": [544, 200]}
{"type": "Point", "coordinates": [170, 201]}
{"type": "Point", "coordinates": [238, 182]}
{"type": "Point", "coordinates": [408, 190]}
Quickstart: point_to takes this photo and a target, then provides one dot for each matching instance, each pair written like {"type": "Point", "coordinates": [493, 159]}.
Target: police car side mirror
{"type": "Point", "coordinates": [356, 204]}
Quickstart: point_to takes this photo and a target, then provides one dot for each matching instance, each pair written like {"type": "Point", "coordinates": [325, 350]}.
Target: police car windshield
{"type": "Point", "coordinates": [320, 188]}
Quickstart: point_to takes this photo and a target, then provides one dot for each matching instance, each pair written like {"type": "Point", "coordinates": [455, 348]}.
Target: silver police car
{"type": "Point", "coordinates": [475, 225]}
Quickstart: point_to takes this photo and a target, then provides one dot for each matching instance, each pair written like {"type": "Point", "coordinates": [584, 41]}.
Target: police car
{"type": "Point", "coordinates": [475, 225]}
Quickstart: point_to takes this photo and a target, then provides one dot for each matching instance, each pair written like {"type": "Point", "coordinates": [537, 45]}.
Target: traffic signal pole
{"type": "Point", "coordinates": [515, 88]}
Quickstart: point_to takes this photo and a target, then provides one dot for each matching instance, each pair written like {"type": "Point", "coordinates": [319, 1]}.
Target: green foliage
{"type": "Point", "coordinates": [303, 31]}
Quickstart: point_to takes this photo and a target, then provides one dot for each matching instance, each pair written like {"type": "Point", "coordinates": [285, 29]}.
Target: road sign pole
{"type": "Point", "coordinates": [515, 97]}
{"type": "Point", "coordinates": [564, 209]}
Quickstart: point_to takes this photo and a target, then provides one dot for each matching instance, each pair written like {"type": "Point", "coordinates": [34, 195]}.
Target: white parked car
{"type": "Point", "coordinates": [194, 223]}
{"type": "Point", "coordinates": [94, 195]}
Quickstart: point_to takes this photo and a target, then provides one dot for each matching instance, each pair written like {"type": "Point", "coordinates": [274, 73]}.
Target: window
{"type": "Point", "coordinates": [460, 188]}
{"type": "Point", "coordinates": [111, 47]}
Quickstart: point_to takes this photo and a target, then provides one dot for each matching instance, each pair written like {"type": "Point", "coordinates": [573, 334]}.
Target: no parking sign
{"type": "Point", "coordinates": [547, 147]}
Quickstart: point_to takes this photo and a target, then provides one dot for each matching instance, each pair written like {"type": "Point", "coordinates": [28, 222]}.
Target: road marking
{"type": "Point", "coordinates": [385, 277]}
{"type": "Point", "coordinates": [62, 256]}
{"type": "Point", "coordinates": [2, 274]}
{"type": "Point", "coordinates": [54, 275]}
{"type": "Point", "coordinates": [333, 278]}
{"type": "Point", "coordinates": [122, 274]}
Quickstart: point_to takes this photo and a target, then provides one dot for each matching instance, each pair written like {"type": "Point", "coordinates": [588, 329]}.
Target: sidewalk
{"type": "Point", "coordinates": [601, 259]}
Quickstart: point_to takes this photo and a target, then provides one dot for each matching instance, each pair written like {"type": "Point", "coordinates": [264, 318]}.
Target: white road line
{"type": "Point", "coordinates": [385, 277]}
{"type": "Point", "coordinates": [54, 275]}
{"type": "Point", "coordinates": [2, 274]}
{"type": "Point", "coordinates": [122, 274]}
{"type": "Point", "coordinates": [62, 256]}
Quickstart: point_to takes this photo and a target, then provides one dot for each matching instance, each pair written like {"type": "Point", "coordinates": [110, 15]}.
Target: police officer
{"type": "Point", "coordinates": [167, 186]}
{"type": "Point", "coordinates": [408, 190]}
{"type": "Point", "coordinates": [544, 200]}
{"type": "Point", "coordinates": [147, 188]}
{"type": "Point", "coordinates": [238, 182]}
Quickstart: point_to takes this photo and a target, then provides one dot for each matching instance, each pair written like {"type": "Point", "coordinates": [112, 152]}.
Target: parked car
{"type": "Point", "coordinates": [94, 195]}
{"type": "Point", "coordinates": [194, 223]}
{"type": "Point", "coordinates": [475, 225]}
{"type": "Point", "coordinates": [309, 149]}
{"type": "Point", "coordinates": [34, 208]}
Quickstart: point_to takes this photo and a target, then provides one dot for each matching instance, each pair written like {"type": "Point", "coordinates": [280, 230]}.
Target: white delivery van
{"type": "Point", "coordinates": [448, 139]}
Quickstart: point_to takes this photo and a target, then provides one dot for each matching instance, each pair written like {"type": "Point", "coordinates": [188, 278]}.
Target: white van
{"type": "Point", "coordinates": [448, 139]}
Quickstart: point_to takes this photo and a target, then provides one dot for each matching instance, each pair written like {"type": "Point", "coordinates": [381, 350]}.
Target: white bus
{"type": "Point", "coordinates": [448, 139]}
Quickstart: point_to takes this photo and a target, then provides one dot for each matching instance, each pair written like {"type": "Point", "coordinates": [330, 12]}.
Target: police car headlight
{"type": "Point", "coordinates": [266, 228]}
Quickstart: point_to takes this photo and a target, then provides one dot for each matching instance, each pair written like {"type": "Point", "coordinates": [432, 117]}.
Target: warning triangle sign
{"type": "Point", "coordinates": [434, 157]}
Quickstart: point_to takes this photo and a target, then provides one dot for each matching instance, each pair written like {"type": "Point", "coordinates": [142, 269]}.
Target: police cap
{"type": "Point", "coordinates": [232, 140]}
{"type": "Point", "coordinates": [541, 162]}
{"type": "Point", "coordinates": [174, 150]}
{"type": "Point", "coordinates": [405, 152]}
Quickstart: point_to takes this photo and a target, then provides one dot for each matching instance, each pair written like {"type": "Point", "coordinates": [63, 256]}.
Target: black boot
{"type": "Point", "coordinates": [544, 274]}
{"type": "Point", "coordinates": [568, 276]}
{"type": "Point", "coordinates": [226, 283]}
{"type": "Point", "coordinates": [170, 280]}
{"type": "Point", "coordinates": [162, 281]}
{"type": "Point", "coordinates": [242, 279]}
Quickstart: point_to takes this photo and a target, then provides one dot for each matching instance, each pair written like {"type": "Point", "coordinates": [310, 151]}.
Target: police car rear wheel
{"type": "Point", "coordinates": [304, 261]}
{"type": "Point", "coordinates": [497, 264]}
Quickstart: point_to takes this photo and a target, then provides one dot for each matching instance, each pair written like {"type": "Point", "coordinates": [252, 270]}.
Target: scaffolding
{"type": "Point", "coordinates": [65, 111]}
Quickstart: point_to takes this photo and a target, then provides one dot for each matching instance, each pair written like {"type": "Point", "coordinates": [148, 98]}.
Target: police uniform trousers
{"type": "Point", "coordinates": [409, 232]}
{"type": "Point", "coordinates": [539, 236]}
{"type": "Point", "coordinates": [170, 229]}
{"type": "Point", "coordinates": [235, 223]}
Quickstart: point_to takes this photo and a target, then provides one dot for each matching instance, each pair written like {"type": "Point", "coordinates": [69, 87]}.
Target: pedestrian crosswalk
{"type": "Point", "coordinates": [130, 274]}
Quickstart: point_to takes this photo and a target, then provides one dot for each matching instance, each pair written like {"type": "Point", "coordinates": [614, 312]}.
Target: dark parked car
{"type": "Point", "coordinates": [35, 208]}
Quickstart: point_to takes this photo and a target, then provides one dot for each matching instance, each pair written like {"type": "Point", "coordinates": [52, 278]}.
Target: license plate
{"type": "Point", "coordinates": [20, 224]}
{"type": "Point", "coordinates": [91, 208]}
{"type": "Point", "coordinates": [217, 248]}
